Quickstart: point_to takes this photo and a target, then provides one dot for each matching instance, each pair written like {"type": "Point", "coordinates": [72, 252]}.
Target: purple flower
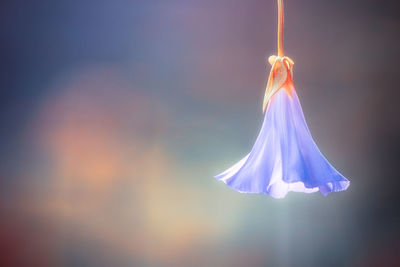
{"type": "Point", "coordinates": [284, 157]}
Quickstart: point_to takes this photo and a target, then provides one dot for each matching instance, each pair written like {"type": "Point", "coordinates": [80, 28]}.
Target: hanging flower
{"type": "Point", "coordinates": [284, 157]}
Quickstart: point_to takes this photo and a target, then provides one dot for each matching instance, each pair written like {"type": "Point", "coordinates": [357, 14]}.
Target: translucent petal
{"type": "Point", "coordinates": [284, 157]}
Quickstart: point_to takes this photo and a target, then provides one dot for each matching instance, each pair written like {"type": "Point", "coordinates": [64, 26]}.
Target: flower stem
{"type": "Point", "coordinates": [280, 28]}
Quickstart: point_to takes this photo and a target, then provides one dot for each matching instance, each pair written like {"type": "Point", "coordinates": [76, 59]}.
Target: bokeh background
{"type": "Point", "coordinates": [115, 115]}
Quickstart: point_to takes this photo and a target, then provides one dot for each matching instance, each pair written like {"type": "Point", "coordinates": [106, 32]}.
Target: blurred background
{"type": "Point", "coordinates": [116, 115]}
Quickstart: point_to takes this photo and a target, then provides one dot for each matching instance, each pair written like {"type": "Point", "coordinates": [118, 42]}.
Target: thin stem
{"type": "Point", "coordinates": [280, 28]}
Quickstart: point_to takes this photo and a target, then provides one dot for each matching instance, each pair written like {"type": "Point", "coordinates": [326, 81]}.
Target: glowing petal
{"type": "Point", "coordinates": [285, 157]}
